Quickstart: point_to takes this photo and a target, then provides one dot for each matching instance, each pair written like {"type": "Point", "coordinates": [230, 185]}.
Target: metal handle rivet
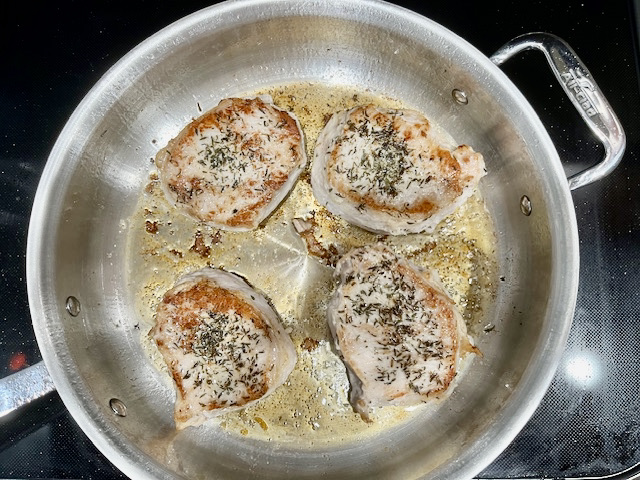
{"type": "Point", "coordinates": [460, 96]}
{"type": "Point", "coordinates": [73, 306]}
{"type": "Point", "coordinates": [525, 205]}
{"type": "Point", "coordinates": [118, 407]}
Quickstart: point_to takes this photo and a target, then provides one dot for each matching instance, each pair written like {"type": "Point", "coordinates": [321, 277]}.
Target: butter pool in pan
{"type": "Point", "coordinates": [295, 271]}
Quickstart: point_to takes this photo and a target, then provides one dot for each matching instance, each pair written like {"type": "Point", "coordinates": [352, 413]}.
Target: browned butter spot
{"type": "Point", "coordinates": [309, 344]}
{"type": "Point", "coordinates": [199, 246]}
{"type": "Point", "coordinates": [151, 227]}
{"type": "Point", "coordinates": [261, 422]}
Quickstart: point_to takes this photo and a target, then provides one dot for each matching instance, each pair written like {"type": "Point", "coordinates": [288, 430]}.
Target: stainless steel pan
{"type": "Point", "coordinates": [79, 291]}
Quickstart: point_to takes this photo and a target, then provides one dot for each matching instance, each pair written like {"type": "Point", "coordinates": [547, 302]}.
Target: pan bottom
{"type": "Point", "coordinates": [311, 409]}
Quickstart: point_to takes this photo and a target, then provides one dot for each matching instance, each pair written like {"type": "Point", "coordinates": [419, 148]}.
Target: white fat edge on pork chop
{"type": "Point", "coordinates": [232, 166]}
{"type": "Point", "coordinates": [390, 171]}
{"type": "Point", "coordinates": [223, 344]}
{"type": "Point", "coordinates": [399, 334]}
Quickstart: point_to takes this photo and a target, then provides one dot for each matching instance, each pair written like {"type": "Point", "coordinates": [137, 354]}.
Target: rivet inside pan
{"type": "Point", "coordinates": [73, 306]}
{"type": "Point", "coordinates": [525, 205]}
{"type": "Point", "coordinates": [118, 407]}
{"type": "Point", "coordinates": [460, 96]}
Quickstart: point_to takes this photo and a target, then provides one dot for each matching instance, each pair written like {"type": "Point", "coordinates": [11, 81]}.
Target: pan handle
{"type": "Point", "coordinates": [21, 388]}
{"type": "Point", "coordinates": [583, 92]}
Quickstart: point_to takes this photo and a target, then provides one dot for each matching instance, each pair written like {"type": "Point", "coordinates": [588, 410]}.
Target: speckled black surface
{"type": "Point", "coordinates": [589, 421]}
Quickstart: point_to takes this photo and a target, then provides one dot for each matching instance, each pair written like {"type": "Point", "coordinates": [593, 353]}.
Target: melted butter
{"type": "Point", "coordinates": [312, 407]}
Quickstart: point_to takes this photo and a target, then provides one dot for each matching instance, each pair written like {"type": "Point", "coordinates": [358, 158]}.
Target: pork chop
{"type": "Point", "coordinates": [397, 331]}
{"type": "Point", "coordinates": [389, 171]}
{"type": "Point", "coordinates": [223, 344]}
{"type": "Point", "coordinates": [232, 166]}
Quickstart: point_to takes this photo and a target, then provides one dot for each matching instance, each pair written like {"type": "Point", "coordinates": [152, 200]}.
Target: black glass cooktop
{"type": "Point", "coordinates": [588, 424]}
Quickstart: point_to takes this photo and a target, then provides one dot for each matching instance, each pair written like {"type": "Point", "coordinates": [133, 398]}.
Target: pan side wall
{"type": "Point", "coordinates": [107, 164]}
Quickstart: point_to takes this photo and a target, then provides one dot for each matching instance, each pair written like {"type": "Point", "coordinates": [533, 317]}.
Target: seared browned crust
{"type": "Point", "coordinates": [390, 171]}
{"type": "Point", "coordinates": [222, 343]}
{"type": "Point", "coordinates": [398, 332]}
{"type": "Point", "coordinates": [189, 304]}
{"type": "Point", "coordinates": [228, 167]}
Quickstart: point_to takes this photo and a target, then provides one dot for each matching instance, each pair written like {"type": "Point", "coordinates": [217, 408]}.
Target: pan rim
{"type": "Point", "coordinates": [132, 461]}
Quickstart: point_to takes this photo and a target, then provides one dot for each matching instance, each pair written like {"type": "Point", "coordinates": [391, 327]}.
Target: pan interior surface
{"type": "Point", "coordinates": [101, 163]}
